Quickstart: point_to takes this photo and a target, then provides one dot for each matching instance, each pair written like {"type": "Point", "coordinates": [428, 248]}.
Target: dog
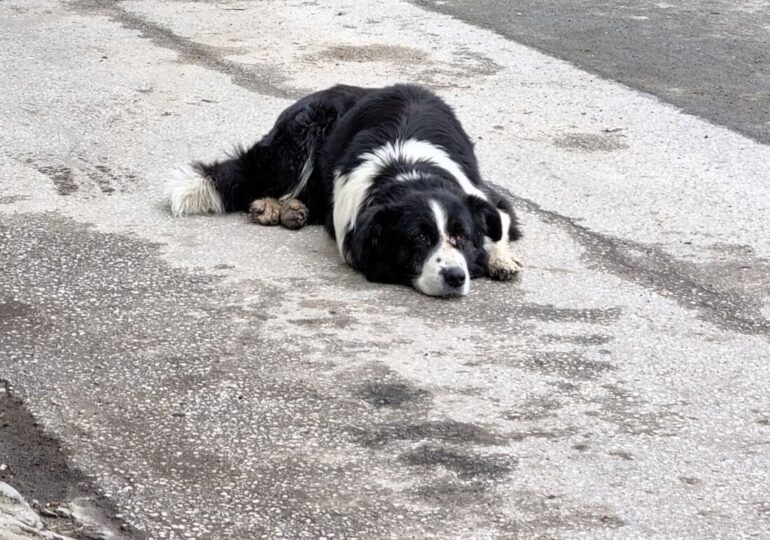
{"type": "Point", "coordinates": [390, 172]}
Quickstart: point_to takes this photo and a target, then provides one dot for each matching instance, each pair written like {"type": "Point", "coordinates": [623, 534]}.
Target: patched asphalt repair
{"type": "Point", "coordinates": [205, 378]}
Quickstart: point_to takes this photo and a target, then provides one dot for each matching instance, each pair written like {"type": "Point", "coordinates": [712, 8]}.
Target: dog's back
{"type": "Point", "coordinates": [402, 112]}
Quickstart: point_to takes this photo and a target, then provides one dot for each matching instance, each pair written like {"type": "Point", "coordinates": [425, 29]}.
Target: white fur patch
{"type": "Point", "coordinates": [304, 177]}
{"type": "Point", "coordinates": [349, 193]}
{"type": "Point", "coordinates": [431, 280]}
{"type": "Point", "coordinates": [505, 220]}
{"type": "Point", "coordinates": [190, 192]}
{"type": "Point", "coordinates": [412, 150]}
{"type": "Point", "coordinates": [351, 189]}
{"type": "Point", "coordinates": [409, 176]}
{"type": "Point", "coordinates": [501, 257]}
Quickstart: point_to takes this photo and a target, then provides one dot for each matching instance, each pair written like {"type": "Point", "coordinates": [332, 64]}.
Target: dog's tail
{"type": "Point", "coordinates": [191, 191]}
{"type": "Point", "coordinates": [222, 186]}
{"type": "Point", "coordinates": [280, 165]}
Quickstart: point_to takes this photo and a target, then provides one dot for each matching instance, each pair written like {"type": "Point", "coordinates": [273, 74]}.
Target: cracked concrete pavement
{"type": "Point", "coordinates": [213, 379]}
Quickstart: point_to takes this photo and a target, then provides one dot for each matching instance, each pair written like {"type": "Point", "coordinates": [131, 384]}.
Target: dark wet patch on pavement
{"type": "Point", "coordinates": [187, 367]}
{"type": "Point", "coordinates": [570, 364]}
{"type": "Point", "coordinates": [518, 436]}
{"type": "Point", "coordinates": [465, 464]}
{"type": "Point", "coordinates": [651, 267]}
{"type": "Point", "coordinates": [81, 176]}
{"type": "Point", "coordinates": [554, 514]}
{"type": "Point", "coordinates": [591, 142]}
{"type": "Point", "coordinates": [10, 308]}
{"type": "Point", "coordinates": [622, 454]}
{"type": "Point", "coordinates": [390, 394]}
{"type": "Point", "coordinates": [11, 199]}
{"type": "Point", "coordinates": [550, 313]}
{"type": "Point", "coordinates": [448, 494]}
{"type": "Point", "coordinates": [61, 177]}
{"type": "Point", "coordinates": [397, 54]}
{"type": "Point", "coordinates": [577, 339]}
{"type": "Point", "coordinates": [633, 415]}
{"type": "Point", "coordinates": [537, 408]}
{"type": "Point", "coordinates": [37, 466]}
{"type": "Point", "coordinates": [439, 430]}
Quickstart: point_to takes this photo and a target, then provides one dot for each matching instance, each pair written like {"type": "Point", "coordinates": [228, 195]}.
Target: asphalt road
{"type": "Point", "coordinates": [710, 58]}
{"type": "Point", "coordinates": [206, 378]}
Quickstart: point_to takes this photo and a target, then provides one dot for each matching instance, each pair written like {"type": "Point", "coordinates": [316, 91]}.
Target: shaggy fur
{"type": "Point", "coordinates": [391, 174]}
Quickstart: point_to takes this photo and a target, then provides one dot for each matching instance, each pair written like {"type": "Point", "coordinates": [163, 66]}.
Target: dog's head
{"type": "Point", "coordinates": [433, 242]}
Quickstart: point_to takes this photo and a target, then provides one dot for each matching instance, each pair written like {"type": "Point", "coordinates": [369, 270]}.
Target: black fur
{"type": "Point", "coordinates": [395, 227]}
{"type": "Point", "coordinates": [271, 167]}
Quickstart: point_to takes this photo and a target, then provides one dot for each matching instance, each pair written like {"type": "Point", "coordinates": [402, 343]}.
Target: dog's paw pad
{"type": "Point", "coordinates": [294, 214]}
{"type": "Point", "coordinates": [265, 211]}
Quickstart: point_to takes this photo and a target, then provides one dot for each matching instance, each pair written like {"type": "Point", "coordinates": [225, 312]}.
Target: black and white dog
{"type": "Point", "coordinates": [390, 172]}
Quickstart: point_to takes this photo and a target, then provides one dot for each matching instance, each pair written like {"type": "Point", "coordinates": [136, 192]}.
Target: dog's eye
{"type": "Point", "coordinates": [422, 238]}
{"type": "Point", "coordinates": [457, 239]}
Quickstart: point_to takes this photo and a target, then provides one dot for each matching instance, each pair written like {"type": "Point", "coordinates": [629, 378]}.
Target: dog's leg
{"type": "Point", "coordinates": [294, 214]}
{"type": "Point", "coordinates": [265, 211]}
{"type": "Point", "coordinates": [279, 166]}
{"type": "Point", "coordinates": [503, 264]}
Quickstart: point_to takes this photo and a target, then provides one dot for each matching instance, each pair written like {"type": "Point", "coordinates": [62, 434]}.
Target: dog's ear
{"type": "Point", "coordinates": [368, 233]}
{"type": "Point", "coordinates": [486, 216]}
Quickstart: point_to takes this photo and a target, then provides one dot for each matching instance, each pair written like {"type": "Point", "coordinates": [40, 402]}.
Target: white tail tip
{"type": "Point", "coordinates": [191, 192]}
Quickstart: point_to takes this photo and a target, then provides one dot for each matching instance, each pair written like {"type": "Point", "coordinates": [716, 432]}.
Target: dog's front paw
{"type": "Point", "coordinates": [265, 211]}
{"type": "Point", "coordinates": [294, 214]}
{"type": "Point", "coordinates": [503, 266]}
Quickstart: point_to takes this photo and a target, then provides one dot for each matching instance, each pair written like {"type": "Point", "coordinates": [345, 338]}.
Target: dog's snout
{"type": "Point", "coordinates": [454, 276]}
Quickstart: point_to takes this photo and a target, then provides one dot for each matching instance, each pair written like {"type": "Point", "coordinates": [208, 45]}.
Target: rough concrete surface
{"type": "Point", "coordinates": [207, 378]}
{"type": "Point", "coordinates": [17, 519]}
{"type": "Point", "coordinates": [64, 502]}
{"type": "Point", "coordinates": [709, 57]}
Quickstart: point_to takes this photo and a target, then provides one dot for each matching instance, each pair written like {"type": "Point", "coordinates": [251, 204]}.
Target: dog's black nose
{"type": "Point", "coordinates": [454, 276]}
